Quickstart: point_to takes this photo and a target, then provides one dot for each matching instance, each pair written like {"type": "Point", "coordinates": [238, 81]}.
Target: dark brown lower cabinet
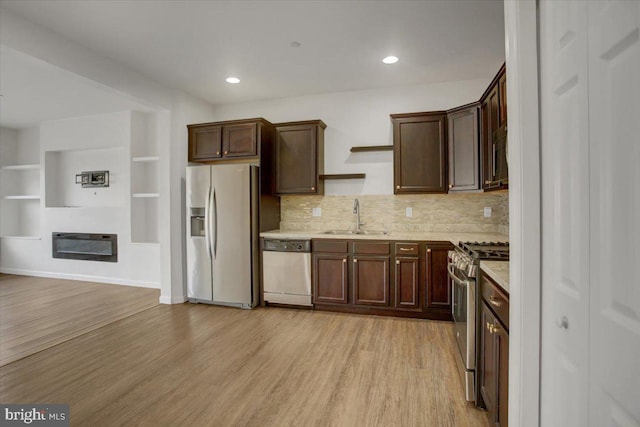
{"type": "Point", "coordinates": [371, 280]}
{"type": "Point", "coordinates": [493, 363]}
{"type": "Point", "coordinates": [407, 281]}
{"type": "Point", "coordinates": [356, 276]}
{"type": "Point", "coordinates": [438, 289]}
{"type": "Point", "coordinates": [331, 278]}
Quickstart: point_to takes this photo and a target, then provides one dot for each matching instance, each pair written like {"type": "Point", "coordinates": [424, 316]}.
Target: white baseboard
{"type": "Point", "coordinates": [81, 277]}
{"type": "Point", "coordinates": [172, 300]}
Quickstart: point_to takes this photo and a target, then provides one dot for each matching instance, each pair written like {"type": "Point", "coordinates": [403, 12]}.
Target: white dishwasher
{"type": "Point", "coordinates": [286, 271]}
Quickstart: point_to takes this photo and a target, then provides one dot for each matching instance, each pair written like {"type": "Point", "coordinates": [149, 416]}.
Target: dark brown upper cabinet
{"type": "Point", "coordinates": [420, 152]}
{"type": "Point", "coordinates": [205, 143]}
{"type": "Point", "coordinates": [234, 139]}
{"type": "Point", "coordinates": [300, 157]}
{"type": "Point", "coordinates": [493, 113]}
{"type": "Point", "coordinates": [464, 148]}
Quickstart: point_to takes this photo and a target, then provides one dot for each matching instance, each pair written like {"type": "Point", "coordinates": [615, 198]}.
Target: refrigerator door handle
{"type": "Point", "coordinates": [207, 224]}
{"type": "Point", "coordinates": [215, 223]}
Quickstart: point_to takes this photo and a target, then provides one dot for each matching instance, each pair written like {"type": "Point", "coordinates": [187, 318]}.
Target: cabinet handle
{"type": "Point", "coordinates": [217, 153]}
{"type": "Point", "coordinates": [494, 329]}
{"type": "Point", "coordinates": [488, 182]}
{"type": "Point", "coordinates": [450, 185]}
{"type": "Point", "coordinates": [344, 260]}
{"type": "Point", "coordinates": [226, 152]}
{"type": "Point", "coordinates": [355, 260]}
{"type": "Point", "coordinates": [489, 328]}
{"type": "Point", "coordinates": [495, 301]}
{"type": "Point", "coordinates": [428, 251]}
{"type": "Point", "coordinates": [313, 188]}
{"type": "Point", "coordinates": [397, 187]}
{"type": "Point", "coordinates": [397, 261]}
{"type": "Point", "coordinates": [406, 249]}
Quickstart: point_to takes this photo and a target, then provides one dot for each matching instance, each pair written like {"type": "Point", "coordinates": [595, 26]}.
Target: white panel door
{"type": "Point", "coordinates": [590, 142]}
{"type": "Point", "coordinates": [565, 209]}
{"type": "Point", "coordinates": [614, 140]}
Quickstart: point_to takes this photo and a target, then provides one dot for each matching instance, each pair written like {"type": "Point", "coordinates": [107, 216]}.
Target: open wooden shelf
{"type": "Point", "coordinates": [364, 148]}
{"type": "Point", "coordinates": [343, 176]}
{"type": "Point", "coordinates": [21, 167]}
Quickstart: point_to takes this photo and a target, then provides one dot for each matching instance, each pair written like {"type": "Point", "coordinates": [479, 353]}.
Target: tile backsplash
{"type": "Point", "coordinates": [431, 212]}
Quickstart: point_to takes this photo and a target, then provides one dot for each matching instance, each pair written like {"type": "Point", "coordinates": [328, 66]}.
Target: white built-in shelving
{"type": "Point", "coordinates": [20, 193]}
{"type": "Point", "coordinates": [145, 191]}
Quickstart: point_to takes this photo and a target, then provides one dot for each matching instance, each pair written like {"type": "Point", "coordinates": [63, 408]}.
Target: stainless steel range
{"type": "Point", "coordinates": [463, 268]}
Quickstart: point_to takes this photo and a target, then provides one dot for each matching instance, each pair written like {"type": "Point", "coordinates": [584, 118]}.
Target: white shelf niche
{"type": "Point", "coordinates": [145, 191]}
{"type": "Point", "coordinates": [144, 220]}
{"type": "Point", "coordinates": [61, 168]}
{"type": "Point", "coordinates": [18, 180]}
{"type": "Point", "coordinates": [20, 217]}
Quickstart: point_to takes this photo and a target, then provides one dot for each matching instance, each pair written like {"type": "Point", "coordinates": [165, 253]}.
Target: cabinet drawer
{"type": "Point", "coordinates": [495, 299]}
{"type": "Point", "coordinates": [373, 248]}
{"type": "Point", "coordinates": [404, 249]}
{"type": "Point", "coordinates": [332, 246]}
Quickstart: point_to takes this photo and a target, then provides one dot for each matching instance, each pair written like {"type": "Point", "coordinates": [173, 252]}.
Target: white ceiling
{"type": "Point", "coordinates": [34, 91]}
{"type": "Point", "coordinates": [195, 45]}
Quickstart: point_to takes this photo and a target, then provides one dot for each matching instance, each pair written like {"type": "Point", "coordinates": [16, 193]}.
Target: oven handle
{"type": "Point", "coordinates": [455, 278]}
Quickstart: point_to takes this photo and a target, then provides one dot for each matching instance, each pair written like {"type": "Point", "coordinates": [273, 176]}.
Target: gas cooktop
{"type": "Point", "coordinates": [485, 250]}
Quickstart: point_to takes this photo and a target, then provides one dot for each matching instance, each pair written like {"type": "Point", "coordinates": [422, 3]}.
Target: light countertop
{"type": "Point", "coordinates": [427, 236]}
{"type": "Point", "coordinates": [498, 271]}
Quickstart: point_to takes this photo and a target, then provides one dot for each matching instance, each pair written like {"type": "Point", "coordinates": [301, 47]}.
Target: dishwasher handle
{"type": "Point", "coordinates": [286, 245]}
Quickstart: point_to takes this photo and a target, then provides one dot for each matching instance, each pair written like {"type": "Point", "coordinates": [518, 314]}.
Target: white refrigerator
{"type": "Point", "coordinates": [223, 234]}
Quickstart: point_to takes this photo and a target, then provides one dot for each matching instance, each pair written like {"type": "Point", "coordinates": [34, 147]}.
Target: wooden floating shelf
{"type": "Point", "coordinates": [372, 148]}
{"type": "Point", "coordinates": [343, 176]}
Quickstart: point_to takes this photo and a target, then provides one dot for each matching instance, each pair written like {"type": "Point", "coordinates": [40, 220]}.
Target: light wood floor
{"type": "Point", "coordinates": [199, 365]}
{"type": "Point", "coordinates": [38, 313]}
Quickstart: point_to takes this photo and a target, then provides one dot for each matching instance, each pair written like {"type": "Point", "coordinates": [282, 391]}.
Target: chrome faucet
{"type": "Point", "coordinates": [356, 211]}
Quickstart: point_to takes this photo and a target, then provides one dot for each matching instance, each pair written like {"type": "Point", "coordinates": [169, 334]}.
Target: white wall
{"type": "Point", "coordinates": [359, 118]}
{"type": "Point", "coordinates": [175, 109]}
{"type": "Point", "coordinates": [67, 147]}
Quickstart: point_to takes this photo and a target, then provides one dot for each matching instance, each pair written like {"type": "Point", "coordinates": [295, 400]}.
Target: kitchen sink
{"type": "Point", "coordinates": [361, 232]}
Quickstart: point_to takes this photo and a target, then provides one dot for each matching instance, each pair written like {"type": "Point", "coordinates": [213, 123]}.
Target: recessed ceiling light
{"type": "Point", "coordinates": [233, 80]}
{"type": "Point", "coordinates": [390, 60]}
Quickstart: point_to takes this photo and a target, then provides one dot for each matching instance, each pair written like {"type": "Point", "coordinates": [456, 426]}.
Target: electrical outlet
{"type": "Point", "coordinates": [409, 212]}
{"type": "Point", "coordinates": [487, 212]}
{"type": "Point", "coordinates": [316, 212]}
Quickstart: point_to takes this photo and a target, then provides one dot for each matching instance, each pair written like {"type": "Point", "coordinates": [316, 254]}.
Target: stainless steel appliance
{"type": "Point", "coordinates": [462, 269]}
{"type": "Point", "coordinates": [286, 271]}
{"type": "Point", "coordinates": [223, 234]}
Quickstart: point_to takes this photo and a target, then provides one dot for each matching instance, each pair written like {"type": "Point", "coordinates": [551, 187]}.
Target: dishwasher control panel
{"type": "Point", "coordinates": [286, 245]}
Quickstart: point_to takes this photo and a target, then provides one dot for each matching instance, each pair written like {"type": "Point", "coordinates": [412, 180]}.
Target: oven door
{"type": "Point", "coordinates": [463, 310]}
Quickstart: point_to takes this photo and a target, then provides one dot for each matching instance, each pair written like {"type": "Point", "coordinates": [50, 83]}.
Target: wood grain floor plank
{"type": "Point", "coordinates": [38, 313]}
{"type": "Point", "coordinates": [198, 365]}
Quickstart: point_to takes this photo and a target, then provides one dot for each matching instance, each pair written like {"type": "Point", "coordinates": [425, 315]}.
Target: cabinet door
{"type": "Point", "coordinates": [296, 160]}
{"type": "Point", "coordinates": [407, 282]}
{"type": "Point", "coordinates": [330, 278]}
{"type": "Point", "coordinates": [438, 290]}
{"type": "Point", "coordinates": [371, 280]}
{"type": "Point", "coordinates": [490, 123]}
{"type": "Point", "coordinates": [502, 365]}
{"type": "Point", "coordinates": [420, 157]}
{"type": "Point", "coordinates": [464, 146]}
{"type": "Point", "coordinates": [488, 373]}
{"type": "Point", "coordinates": [502, 89]}
{"type": "Point", "coordinates": [205, 143]}
{"type": "Point", "coordinates": [240, 140]}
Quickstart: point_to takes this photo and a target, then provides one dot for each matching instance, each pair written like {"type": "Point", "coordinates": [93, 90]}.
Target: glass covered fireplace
{"type": "Point", "coordinates": [85, 246]}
